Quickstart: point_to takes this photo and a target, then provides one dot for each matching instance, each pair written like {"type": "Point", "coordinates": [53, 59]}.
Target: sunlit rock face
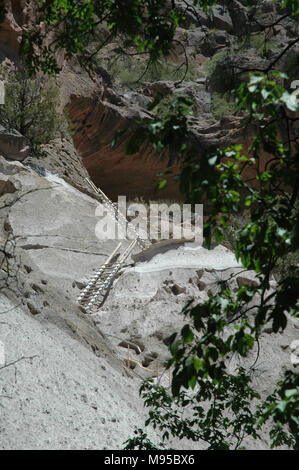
{"type": "Point", "coordinates": [97, 114]}
{"type": "Point", "coordinates": [13, 145]}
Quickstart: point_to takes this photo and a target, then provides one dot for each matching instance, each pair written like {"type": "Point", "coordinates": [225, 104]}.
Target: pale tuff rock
{"type": "Point", "coordinates": [65, 354]}
{"type": "Point", "coordinates": [13, 145]}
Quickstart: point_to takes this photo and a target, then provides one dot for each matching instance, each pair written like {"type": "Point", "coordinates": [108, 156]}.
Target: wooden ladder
{"type": "Point", "coordinates": [98, 286]}
{"type": "Point", "coordinates": [119, 217]}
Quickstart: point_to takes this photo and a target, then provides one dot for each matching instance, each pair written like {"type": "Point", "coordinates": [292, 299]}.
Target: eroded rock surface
{"type": "Point", "coordinates": [100, 104]}
{"type": "Point", "coordinates": [13, 145]}
{"type": "Point", "coordinates": [76, 379]}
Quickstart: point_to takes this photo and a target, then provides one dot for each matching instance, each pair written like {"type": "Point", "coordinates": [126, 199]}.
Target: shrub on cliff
{"type": "Point", "coordinates": [31, 107]}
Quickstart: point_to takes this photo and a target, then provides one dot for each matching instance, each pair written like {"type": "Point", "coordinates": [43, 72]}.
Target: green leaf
{"type": "Point", "coordinates": [291, 393]}
{"type": "Point", "coordinates": [255, 79]}
{"type": "Point", "coordinates": [162, 184]}
{"type": "Point", "coordinates": [212, 160]}
{"type": "Point", "coordinates": [187, 334]}
{"type": "Point", "coordinates": [290, 101]}
{"type": "Point", "coordinates": [281, 405]}
{"type": "Point", "coordinates": [192, 382]}
{"type": "Point", "coordinates": [197, 363]}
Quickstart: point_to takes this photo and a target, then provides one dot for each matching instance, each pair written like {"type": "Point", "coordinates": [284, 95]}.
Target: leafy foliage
{"type": "Point", "coordinates": [200, 354]}
{"type": "Point", "coordinates": [167, 130]}
{"type": "Point", "coordinates": [222, 105]}
{"type": "Point", "coordinates": [31, 107]}
{"type": "Point", "coordinates": [292, 6]}
{"type": "Point", "coordinates": [128, 72]}
{"type": "Point", "coordinates": [283, 408]}
{"type": "Point", "coordinates": [217, 413]}
{"type": "Point", "coordinates": [141, 442]}
{"type": "Point", "coordinates": [259, 43]}
{"type": "Point", "coordinates": [146, 26]}
{"type": "Point", "coordinates": [211, 64]}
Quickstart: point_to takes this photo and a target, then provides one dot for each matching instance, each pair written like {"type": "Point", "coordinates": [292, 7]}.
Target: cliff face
{"type": "Point", "coordinates": [102, 102]}
{"type": "Point", "coordinates": [11, 30]}
{"type": "Point", "coordinates": [77, 382]}
{"type": "Point", "coordinates": [96, 118]}
{"type": "Point", "coordinates": [71, 381]}
{"type": "Point", "coordinates": [113, 101]}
